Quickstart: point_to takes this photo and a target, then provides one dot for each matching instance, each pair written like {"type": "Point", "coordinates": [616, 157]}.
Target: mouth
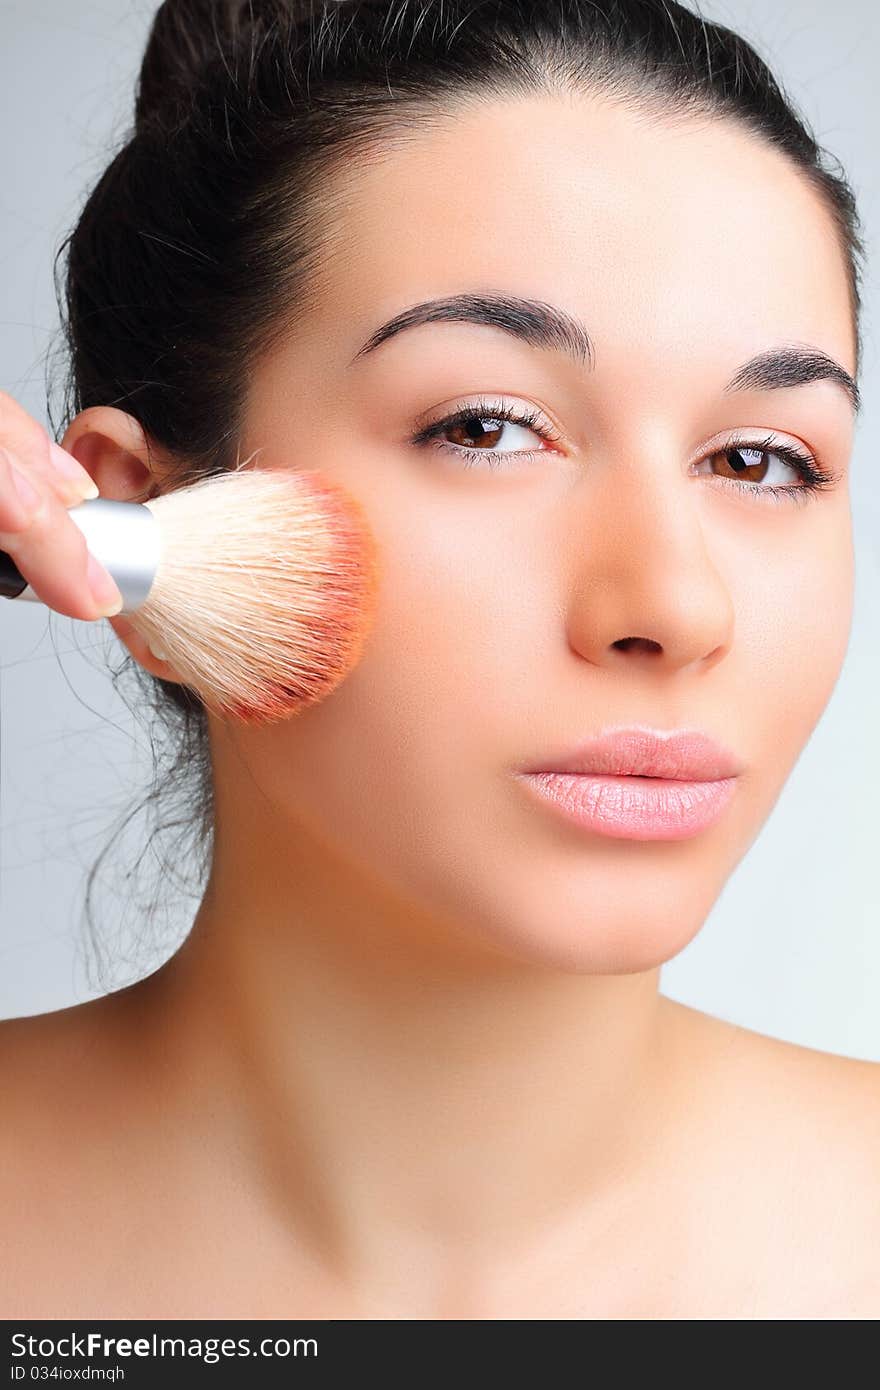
{"type": "Point", "coordinates": [633, 807]}
{"type": "Point", "coordinates": [638, 783]}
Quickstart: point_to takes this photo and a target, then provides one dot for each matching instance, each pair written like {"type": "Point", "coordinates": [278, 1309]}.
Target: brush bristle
{"type": "Point", "coordinates": [265, 590]}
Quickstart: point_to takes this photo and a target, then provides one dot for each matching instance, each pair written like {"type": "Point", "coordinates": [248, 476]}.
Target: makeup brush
{"type": "Point", "coordinates": [258, 586]}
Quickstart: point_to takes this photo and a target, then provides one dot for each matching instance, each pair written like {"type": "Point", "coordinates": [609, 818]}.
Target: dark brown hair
{"type": "Point", "coordinates": [200, 245]}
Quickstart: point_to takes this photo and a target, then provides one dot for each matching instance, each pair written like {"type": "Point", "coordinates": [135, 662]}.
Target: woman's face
{"type": "Point", "coordinates": [511, 576]}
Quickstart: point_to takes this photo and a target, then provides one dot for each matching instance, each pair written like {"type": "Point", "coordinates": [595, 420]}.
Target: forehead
{"type": "Point", "coordinates": [662, 237]}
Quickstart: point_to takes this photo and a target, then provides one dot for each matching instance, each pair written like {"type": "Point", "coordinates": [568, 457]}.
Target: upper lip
{"type": "Point", "coordinates": [685, 755]}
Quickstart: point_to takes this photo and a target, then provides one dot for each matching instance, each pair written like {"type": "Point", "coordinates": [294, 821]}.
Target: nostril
{"type": "Point", "coordinates": [624, 644]}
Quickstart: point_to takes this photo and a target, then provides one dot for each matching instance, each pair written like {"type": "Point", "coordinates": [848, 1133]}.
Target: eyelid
{"type": "Point", "coordinates": [749, 437]}
{"type": "Point", "coordinates": [486, 402]}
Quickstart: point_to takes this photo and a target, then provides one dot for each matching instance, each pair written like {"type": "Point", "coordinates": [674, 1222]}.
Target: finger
{"type": "Point", "coordinates": [37, 453]}
{"type": "Point", "coordinates": [47, 546]}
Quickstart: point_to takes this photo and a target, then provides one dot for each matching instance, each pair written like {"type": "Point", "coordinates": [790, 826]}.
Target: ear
{"type": "Point", "coordinates": [112, 446]}
{"type": "Point", "coordinates": [140, 649]}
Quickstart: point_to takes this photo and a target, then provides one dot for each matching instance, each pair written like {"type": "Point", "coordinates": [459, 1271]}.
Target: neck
{"type": "Point", "coordinates": [409, 1087]}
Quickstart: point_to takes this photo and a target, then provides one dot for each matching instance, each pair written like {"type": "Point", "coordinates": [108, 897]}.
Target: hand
{"type": "Point", "coordinates": [39, 482]}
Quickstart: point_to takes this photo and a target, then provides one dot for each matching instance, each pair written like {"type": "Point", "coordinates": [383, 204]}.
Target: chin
{"type": "Point", "coordinates": [620, 909]}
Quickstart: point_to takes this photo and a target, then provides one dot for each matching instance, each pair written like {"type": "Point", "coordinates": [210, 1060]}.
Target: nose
{"type": "Point", "coordinates": [646, 587]}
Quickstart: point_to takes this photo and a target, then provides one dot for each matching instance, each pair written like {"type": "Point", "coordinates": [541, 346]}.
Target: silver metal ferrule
{"type": "Point", "coordinates": [126, 538]}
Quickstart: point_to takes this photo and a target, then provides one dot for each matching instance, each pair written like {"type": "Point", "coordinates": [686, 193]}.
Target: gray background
{"type": "Point", "coordinates": [792, 946]}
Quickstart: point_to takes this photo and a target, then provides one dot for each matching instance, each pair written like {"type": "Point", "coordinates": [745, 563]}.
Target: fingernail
{"type": "Point", "coordinates": [104, 589]}
{"type": "Point", "coordinates": [68, 468]}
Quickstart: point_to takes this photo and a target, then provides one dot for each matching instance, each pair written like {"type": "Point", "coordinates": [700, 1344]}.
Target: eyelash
{"type": "Point", "coordinates": [815, 478]}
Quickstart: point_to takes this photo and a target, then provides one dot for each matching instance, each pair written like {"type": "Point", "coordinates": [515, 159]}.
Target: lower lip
{"type": "Point", "coordinates": [633, 808]}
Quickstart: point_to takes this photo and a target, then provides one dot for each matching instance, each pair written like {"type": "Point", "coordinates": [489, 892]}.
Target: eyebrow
{"type": "Point", "coordinates": [546, 326]}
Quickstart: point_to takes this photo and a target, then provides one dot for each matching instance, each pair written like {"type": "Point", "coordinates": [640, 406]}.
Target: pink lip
{"type": "Point", "coordinates": [638, 783]}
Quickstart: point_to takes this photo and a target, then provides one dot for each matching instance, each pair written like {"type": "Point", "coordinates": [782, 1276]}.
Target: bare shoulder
{"type": "Point", "coordinates": [828, 1103]}
{"type": "Point", "coordinates": [53, 1070]}
{"type": "Point", "coordinates": [63, 1080]}
{"type": "Point", "coordinates": [44, 1054]}
{"type": "Point", "coordinates": [797, 1143]}
{"type": "Point", "coordinates": [74, 1144]}
{"type": "Point", "coordinates": [773, 1067]}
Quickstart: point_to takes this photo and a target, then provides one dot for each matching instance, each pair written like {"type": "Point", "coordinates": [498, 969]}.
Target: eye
{"type": "Point", "coordinates": [481, 426]}
{"type": "Point", "coordinates": [741, 465]}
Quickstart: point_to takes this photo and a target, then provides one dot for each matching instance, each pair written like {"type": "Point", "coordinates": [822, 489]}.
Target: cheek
{"type": "Point", "coordinates": [794, 613]}
{"type": "Point", "coordinates": [402, 765]}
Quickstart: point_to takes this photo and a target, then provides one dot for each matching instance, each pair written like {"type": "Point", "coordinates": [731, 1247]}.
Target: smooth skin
{"type": "Point", "coordinates": [412, 1060]}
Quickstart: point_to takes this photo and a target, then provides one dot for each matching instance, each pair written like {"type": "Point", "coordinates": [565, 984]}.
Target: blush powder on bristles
{"type": "Point", "coordinates": [265, 591]}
